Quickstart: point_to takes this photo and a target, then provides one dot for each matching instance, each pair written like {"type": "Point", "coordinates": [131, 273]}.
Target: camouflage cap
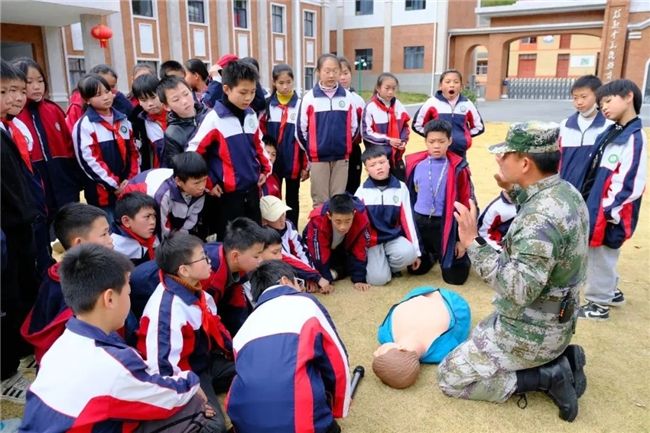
{"type": "Point", "coordinates": [530, 137]}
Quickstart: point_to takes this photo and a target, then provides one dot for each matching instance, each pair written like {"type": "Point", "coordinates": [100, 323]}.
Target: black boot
{"type": "Point", "coordinates": [556, 380]}
{"type": "Point", "coordinates": [577, 359]}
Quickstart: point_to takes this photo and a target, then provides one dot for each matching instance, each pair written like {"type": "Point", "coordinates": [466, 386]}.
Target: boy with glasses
{"type": "Point", "coordinates": [180, 329]}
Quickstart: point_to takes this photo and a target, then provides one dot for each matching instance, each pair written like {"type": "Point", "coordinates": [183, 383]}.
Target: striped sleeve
{"type": "Point", "coordinates": [425, 113]}
{"type": "Point", "coordinates": [629, 179]}
{"type": "Point", "coordinates": [474, 121]}
{"type": "Point", "coordinates": [89, 155]}
{"type": "Point", "coordinates": [368, 132]}
{"type": "Point", "coordinates": [406, 218]}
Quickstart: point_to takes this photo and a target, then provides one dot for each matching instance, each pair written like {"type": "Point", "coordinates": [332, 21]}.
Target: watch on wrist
{"type": "Point", "coordinates": [478, 240]}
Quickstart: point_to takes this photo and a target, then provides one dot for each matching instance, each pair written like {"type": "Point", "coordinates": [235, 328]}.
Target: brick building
{"type": "Point", "coordinates": [57, 35]}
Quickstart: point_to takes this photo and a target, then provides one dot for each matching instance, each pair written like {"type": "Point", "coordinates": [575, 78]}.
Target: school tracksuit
{"type": "Point", "coordinates": [177, 211]}
{"type": "Point", "coordinates": [443, 229]}
{"type": "Point", "coordinates": [576, 146]}
{"type": "Point", "coordinates": [326, 128]}
{"type": "Point", "coordinates": [464, 117]}
{"type": "Point", "coordinates": [279, 122]}
{"type": "Point", "coordinates": [391, 218]}
{"type": "Point", "coordinates": [91, 381]}
{"type": "Point", "coordinates": [614, 202]}
{"type": "Point", "coordinates": [351, 256]}
{"type": "Point", "coordinates": [380, 123]}
{"type": "Point", "coordinates": [292, 367]}
{"type": "Point", "coordinates": [235, 155]}
{"type": "Point", "coordinates": [106, 153]}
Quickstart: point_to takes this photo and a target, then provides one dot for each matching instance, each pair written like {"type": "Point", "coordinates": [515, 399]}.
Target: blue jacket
{"type": "Point", "coordinates": [326, 127]}
{"type": "Point", "coordinates": [292, 367]}
{"type": "Point", "coordinates": [615, 197]}
{"type": "Point", "coordinates": [465, 120]}
{"type": "Point", "coordinates": [100, 157]}
{"type": "Point", "coordinates": [576, 146]}
{"type": "Point", "coordinates": [234, 153]}
{"type": "Point", "coordinates": [279, 122]}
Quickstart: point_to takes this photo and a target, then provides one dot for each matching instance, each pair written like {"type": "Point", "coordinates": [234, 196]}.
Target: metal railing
{"type": "Point", "coordinates": [539, 88]}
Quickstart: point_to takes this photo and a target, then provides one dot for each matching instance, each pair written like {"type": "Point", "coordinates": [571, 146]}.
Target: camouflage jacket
{"type": "Point", "coordinates": [544, 258]}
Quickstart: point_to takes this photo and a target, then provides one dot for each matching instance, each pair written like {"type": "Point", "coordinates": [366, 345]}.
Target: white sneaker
{"type": "Point", "coordinates": [15, 388]}
{"type": "Point", "coordinates": [28, 365]}
{"type": "Point", "coordinates": [335, 275]}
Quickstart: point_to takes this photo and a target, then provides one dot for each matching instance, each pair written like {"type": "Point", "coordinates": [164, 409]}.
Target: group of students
{"type": "Point", "coordinates": [198, 153]}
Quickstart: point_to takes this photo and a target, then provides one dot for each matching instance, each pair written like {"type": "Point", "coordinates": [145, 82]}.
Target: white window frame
{"type": "Point", "coordinates": [284, 18]}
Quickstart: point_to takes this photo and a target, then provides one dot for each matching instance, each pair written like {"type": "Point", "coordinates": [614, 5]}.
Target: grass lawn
{"type": "Point", "coordinates": [616, 399]}
{"type": "Point", "coordinates": [404, 97]}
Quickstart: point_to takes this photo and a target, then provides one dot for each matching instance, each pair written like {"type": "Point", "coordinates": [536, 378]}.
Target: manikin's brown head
{"type": "Point", "coordinates": [397, 368]}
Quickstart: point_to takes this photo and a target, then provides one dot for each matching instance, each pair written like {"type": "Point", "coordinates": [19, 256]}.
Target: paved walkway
{"type": "Point", "coordinates": [518, 110]}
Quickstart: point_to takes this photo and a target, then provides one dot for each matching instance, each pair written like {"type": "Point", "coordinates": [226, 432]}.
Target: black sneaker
{"type": "Point", "coordinates": [593, 311]}
{"type": "Point", "coordinates": [618, 299]}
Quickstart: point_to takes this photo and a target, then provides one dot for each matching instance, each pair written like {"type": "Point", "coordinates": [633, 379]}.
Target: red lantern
{"type": "Point", "coordinates": [102, 33]}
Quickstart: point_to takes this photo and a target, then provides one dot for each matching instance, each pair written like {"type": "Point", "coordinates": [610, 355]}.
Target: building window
{"type": "Point", "coordinates": [363, 59]}
{"type": "Point", "coordinates": [309, 24]}
{"type": "Point", "coordinates": [196, 11]}
{"type": "Point", "coordinates": [363, 7]}
{"type": "Point", "coordinates": [481, 67]}
{"type": "Point", "coordinates": [414, 57]}
{"type": "Point", "coordinates": [142, 7]}
{"type": "Point", "coordinates": [277, 18]}
{"type": "Point", "coordinates": [529, 40]}
{"type": "Point", "coordinates": [76, 70]}
{"type": "Point", "coordinates": [309, 78]}
{"type": "Point", "coordinates": [414, 5]}
{"type": "Point", "coordinates": [565, 41]}
{"type": "Point", "coordinates": [241, 13]}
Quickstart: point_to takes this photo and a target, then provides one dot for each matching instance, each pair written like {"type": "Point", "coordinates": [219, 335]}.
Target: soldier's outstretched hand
{"type": "Point", "coordinates": [467, 225]}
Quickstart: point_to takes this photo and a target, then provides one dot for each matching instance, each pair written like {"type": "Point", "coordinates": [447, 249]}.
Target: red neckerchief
{"type": "Point", "coordinates": [283, 121]}
{"type": "Point", "coordinates": [210, 322]}
{"type": "Point", "coordinates": [147, 243]}
{"type": "Point", "coordinates": [20, 142]}
{"type": "Point", "coordinates": [160, 119]}
{"type": "Point", "coordinates": [115, 129]}
{"type": "Point", "coordinates": [393, 129]}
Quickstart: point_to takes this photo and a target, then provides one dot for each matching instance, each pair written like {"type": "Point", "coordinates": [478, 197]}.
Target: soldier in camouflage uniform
{"type": "Point", "coordinates": [524, 345]}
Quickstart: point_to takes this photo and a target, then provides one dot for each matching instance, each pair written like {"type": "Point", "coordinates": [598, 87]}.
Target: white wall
{"type": "Point", "coordinates": [400, 15]}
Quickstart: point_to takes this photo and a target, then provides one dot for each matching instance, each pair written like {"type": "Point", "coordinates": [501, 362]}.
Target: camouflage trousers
{"type": "Point", "coordinates": [484, 367]}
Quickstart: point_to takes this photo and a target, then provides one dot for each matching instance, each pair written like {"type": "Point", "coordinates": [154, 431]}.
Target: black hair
{"type": "Point", "coordinates": [341, 204]}
{"type": "Point", "coordinates": [8, 72]}
{"type": "Point", "coordinates": [437, 125]}
{"type": "Point", "coordinates": [621, 88]}
{"type": "Point", "coordinates": [587, 81]}
{"type": "Point", "coordinates": [168, 83]}
{"type": "Point", "coordinates": [242, 234]}
{"type": "Point", "coordinates": [268, 274]}
{"type": "Point", "coordinates": [145, 86]}
{"type": "Point", "coordinates": [451, 71]}
{"type": "Point", "coordinates": [197, 66]}
{"type": "Point", "coordinates": [373, 152]}
{"type": "Point", "coordinates": [87, 271]}
{"type": "Point", "coordinates": [251, 61]}
{"type": "Point", "coordinates": [89, 85]}
{"type": "Point", "coordinates": [384, 76]}
{"type": "Point", "coordinates": [103, 69]}
{"type": "Point", "coordinates": [24, 63]}
{"type": "Point", "coordinates": [269, 140]}
{"type": "Point", "coordinates": [343, 61]}
{"type": "Point", "coordinates": [237, 71]}
{"type": "Point", "coordinates": [75, 220]}
{"type": "Point", "coordinates": [281, 69]}
{"type": "Point", "coordinates": [175, 251]}
{"type": "Point", "coordinates": [170, 66]}
{"type": "Point", "coordinates": [21, 76]}
{"type": "Point", "coordinates": [547, 162]}
{"type": "Point", "coordinates": [326, 56]}
{"type": "Point", "coordinates": [271, 237]}
{"type": "Point", "coordinates": [131, 203]}
{"type": "Point", "coordinates": [188, 165]}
